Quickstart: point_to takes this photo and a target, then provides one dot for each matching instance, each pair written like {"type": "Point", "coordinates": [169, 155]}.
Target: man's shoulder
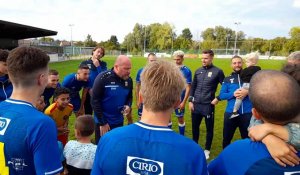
{"type": "Point", "coordinates": [246, 148]}
{"type": "Point", "coordinates": [217, 69]}
{"type": "Point", "coordinates": [50, 109]}
{"type": "Point", "coordinates": [186, 69]}
{"type": "Point", "coordinates": [69, 77]}
{"type": "Point", "coordinates": [124, 131]}
{"type": "Point", "coordinates": [87, 61]}
{"type": "Point", "coordinates": [106, 74]}
{"type": "Point", "coordinates": [230, 77]}
{"type": "Point", "coordinates": [140, 70]}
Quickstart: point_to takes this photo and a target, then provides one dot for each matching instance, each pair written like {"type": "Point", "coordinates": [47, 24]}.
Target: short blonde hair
{"type": "Point", "coordinates": [252, 57]}
{"type": "Point", "coordinates": [294, 57]}
{"type": "Point", "coordinates": [161, 85]}
{"type": "Point", "coordinates": [178, 53]}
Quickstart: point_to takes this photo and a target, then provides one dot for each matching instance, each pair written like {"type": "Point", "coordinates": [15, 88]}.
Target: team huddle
{"type": "Point", "coordinates": [35, 110]}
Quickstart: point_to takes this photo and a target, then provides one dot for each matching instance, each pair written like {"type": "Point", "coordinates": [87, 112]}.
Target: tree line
{"type": "Point", "coordinates": [158, 37]}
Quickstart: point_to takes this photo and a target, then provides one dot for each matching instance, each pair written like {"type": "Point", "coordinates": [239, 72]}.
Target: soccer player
{"type": "Point", "coordinates": [149, 146]}
{"type": "Point", "coordinates": [204, 86]}
{"type": "Point", "coordinates": [178, 57]}
{"type": "Point", "coordinates": [53, 83]}
{"type": "Point", "coordinates": [151, 57]}
{"type": "Point", "coordinates": [6, 86]}
{"type": "Point", "coordinates": [276, 99]}
{"type": "Point", "coordinates": [112, 97]}
{"type": "Point", "coordinates": [28, 142]}
{"type": "Point", "coordinates": [60, 111]}
{"type": "Point", "coordinates": [75, 82]}
{"type": "Point", "coordinates": [96, 66]}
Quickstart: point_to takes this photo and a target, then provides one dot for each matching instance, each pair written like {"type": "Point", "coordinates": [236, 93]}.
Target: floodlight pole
{"type": "Point", "coordinates": [227, 36]}
{"type": "Point", "coordinates": [236, 23]}
{"type": "Point", "coordinates": [145, 40]}
{"type": "Point", "coordinates": [71, 42]}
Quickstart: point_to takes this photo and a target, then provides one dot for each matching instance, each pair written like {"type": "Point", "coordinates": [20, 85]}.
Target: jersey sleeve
{"type": "Point", "coordinates": [188, 76]}
{"type": "Point", "coordinates": [216, 167]}
{"type": "Point", "coordinates": [199, 163]}
{"type": "Point", "coordinates": [47, 111]}
{"type": "Point", "coordinates": [66, 82]}
{"type": "Point", "coordinates": [97, 96]}
{"type": "Point", "coordinates": [225, 93]}
{"type": "Point", "coordinates": [194, 85]}
{"type": "Point", "coordinates": [100, 155]}
{"type": "Point", "coordinates": [221, 76]}
{"type": "Point", "coordinates": [45, 148]}
{"type": "Point", "coordinates": [138, 76]}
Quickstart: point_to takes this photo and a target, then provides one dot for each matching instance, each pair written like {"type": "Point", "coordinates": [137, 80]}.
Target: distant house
{"type": "Point", "coordinates": [65, 43]}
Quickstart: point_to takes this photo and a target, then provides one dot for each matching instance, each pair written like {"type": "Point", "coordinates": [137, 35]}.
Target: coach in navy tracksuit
{"type": "Point", "coordinates": [229, 92]}
{"type": "Point", "coordinates": [204, 86]}
{"type": "Point", "coordinates": [6, 86]}
{"type": "Point", "coordinates": [112, 96]}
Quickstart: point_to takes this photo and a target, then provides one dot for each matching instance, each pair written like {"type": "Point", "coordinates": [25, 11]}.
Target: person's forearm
{"type": "Point", "coordinates": [278, 131]}
{"type": "Point", "coordinates": [138, 85]}
{"type": "Point", "coordinates": [187, 92]}
{"type": "Point", "coordinates": [83, 97]}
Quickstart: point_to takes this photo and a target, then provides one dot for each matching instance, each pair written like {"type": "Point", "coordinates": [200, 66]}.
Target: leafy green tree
{"type": "Point", "coordinates": [88, 42]}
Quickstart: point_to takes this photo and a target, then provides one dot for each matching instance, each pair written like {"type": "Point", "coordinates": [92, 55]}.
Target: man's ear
{"type": "Point", "coordinates": [41, 79]}
{"type": "Point", "coordinates": [140, 97]}
{"type": "Point", "coordinates": [256, 114]}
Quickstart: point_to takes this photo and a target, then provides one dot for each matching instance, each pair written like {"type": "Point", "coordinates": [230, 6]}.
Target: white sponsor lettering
{"type": "Point", "coordinates": [291, 173]}
{"type": "Point", "coordinates": [137, 166]}
{"type": "Point", "coordinates": [4, 122]}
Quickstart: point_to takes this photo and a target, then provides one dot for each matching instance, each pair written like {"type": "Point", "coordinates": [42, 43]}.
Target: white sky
{"type": "Point", "coordinates": [103, 18]}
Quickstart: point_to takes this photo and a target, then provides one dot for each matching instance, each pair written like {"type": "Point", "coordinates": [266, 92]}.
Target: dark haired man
{"type": "Point", "coordinates": [204, 86]}
{"type": "Point", "coordinates": [53, 83]}
{"type": "Point", "coordinates": [75, 82]}
{"type": "Point", "coordinates": [28, 142]}
{"type": "Point", "coordinates": [231, 85]}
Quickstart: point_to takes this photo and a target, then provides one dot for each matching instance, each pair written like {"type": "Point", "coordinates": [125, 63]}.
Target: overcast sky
{"type": "Point", "coordinates": [103, 18]}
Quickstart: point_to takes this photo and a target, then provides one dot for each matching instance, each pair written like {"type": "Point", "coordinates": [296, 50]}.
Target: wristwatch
{"type": "Point", "coordinates": [191, 99]}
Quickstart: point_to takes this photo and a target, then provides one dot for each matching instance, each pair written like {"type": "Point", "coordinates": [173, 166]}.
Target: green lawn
{"type": "Point", "coordinates": [67, 67]}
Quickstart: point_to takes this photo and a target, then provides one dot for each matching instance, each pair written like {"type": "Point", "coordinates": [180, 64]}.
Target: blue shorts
{"type": "Point", "coordinates": [179, 113]}
{"type": "Point", "coordinates": [76, 104]}
{"type": "Point", "coordinates": [140, 110]}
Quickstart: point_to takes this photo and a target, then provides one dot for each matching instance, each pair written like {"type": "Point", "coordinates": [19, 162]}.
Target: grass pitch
{"type": "Point", "coordinates": [68, 67]}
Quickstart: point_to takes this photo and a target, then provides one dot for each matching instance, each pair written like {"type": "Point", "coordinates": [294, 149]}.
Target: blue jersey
{"type": "Point", "coordinates": [144, 149]}
{"type": "Point", "coordinates": [6, 88]}
{"type": "Point", "coordinates": [247, 157]}
{"type": "Point", "coordinates": [138, 81]}
{"type": "Point", "coordinates": [48, 93]}
{"type": "Point", "coordinates": [70, 81]}
{"type": "Point", "coordinates": [138, 75]}
{"type": "Point", "coordinates": [28, 140]}
{"type": "Point", "coordinates": [187, 74]}
{"type": "Point", "coordinates": [110, 94]}
{"type": "Point", "coordinates": [94, 71]}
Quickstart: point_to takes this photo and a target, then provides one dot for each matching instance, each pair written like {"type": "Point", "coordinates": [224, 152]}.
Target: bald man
{"type": "Point", "coordinates": [112, 97]}
{"type": "Point", "coordinates": [276, 99]}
